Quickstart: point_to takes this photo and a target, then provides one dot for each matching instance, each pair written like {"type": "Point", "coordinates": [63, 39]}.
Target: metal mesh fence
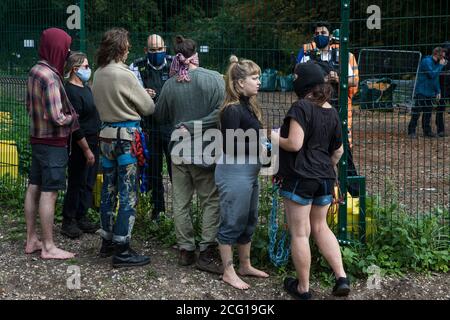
{"type": "Point", "coordinates": [414, 172]}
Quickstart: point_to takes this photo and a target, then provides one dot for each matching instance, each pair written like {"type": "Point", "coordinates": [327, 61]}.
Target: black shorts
{"type": "Point", "coordinates": [48, 167]}
{"type": "Point", "coordinates": [307, 191]}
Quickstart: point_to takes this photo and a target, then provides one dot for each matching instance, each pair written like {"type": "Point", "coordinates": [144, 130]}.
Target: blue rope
{"type": "Point", "coordinates": [144, 187]}
{"type": "Point", "coordinates": [278, 252]}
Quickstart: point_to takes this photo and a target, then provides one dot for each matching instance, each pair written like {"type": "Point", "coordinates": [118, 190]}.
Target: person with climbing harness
{"type": "Point", "coordinates": [152, 72]}
{"type": "Point", "coordinates": [324, 51]}
{"type": "Point", "coordinates": [121, 102]}
{"type": "Point", "coordinates": [236, 180]}
{"type": "Point", "coordinates": [193, 95]}
{"type": "Point", "coordinates": [310, 142]}
{"type": "Point", "coordinates": [84, 152]}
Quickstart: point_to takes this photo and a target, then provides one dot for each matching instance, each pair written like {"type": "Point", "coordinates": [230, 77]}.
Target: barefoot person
{"type": "Point", "coordinates": [236, 180]}
{"type": "Point", "coordinates": [310, 147]}
{"type": "Point", "coordinates": [52, 121]}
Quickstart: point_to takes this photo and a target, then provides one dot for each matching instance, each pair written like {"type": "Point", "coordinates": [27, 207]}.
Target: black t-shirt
{"type": "Point", "coordinates": [83, 103]}
{"type": "Point", "coordinates": [323, 135]}
{"type": "Point", "coordinates": [240, 116]}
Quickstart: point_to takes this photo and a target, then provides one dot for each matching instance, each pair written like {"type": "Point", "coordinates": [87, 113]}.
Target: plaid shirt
{"type": "Point", "coordinates": [52, 115]}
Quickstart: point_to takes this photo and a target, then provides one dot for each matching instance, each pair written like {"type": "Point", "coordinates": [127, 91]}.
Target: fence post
{"type": "Point", "coordinates": [343, 103]}
{"type": "Point", "coordinates": [83, 26]}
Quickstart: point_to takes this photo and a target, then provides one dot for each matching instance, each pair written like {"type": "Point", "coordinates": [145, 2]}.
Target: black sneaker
{"type": "Point", "coordinates": [107, 249]}
{"type": "Point", "coordinates": [342, 287]}
{"type": "Point", "coordinates": [441, 134]}
{"type": "Point", "coordinates": [290, 285]}
{"type": "Point", "coordinates": [412, 135]}
{"type": "Point", "coordinates": [87, 226]}
{"type": "Point", "coordinates": [429, 135]}
{"type": "Point", "coordinates": [70, 229]}
{"type": "Point", "coordinates": [126, 257]}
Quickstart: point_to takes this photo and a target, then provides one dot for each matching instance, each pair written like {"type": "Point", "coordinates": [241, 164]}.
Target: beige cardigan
{"type": "Point", "coordinates": [118, 95]}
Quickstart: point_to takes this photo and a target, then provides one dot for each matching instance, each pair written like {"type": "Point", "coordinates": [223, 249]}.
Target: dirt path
{"type": "Point", "coordinates": [29, 277]}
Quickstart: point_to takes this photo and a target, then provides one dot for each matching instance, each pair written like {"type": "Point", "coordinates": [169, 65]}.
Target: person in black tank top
{"type": "Point", "coordinates": [310, 142]}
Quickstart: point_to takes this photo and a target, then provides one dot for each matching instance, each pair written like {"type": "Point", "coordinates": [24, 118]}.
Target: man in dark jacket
{"type": "Point", "coordinates": [152, 72]}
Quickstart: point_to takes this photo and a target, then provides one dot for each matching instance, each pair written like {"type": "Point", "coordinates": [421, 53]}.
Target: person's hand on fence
{"type": "Point", "coordinates": [438, 96]}
{"type": "Point", "coordinates": [443, 61]}
{"type": "Point", "coordinates": [90, 158]}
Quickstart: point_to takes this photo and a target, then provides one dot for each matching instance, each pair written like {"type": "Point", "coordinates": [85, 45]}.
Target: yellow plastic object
{"type": "Point", "coordinates": [9, 158]}
{"type": "Point", "coordinates": [97, 191]}
{"type": "Point", "coordinates": [352, 217]}
{"type": "Point", "coordinates": [5, 117]}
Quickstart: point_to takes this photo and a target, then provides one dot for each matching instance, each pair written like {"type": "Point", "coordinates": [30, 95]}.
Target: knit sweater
{"type": "Point", "coordinates": [118, 95]}
{"type": "Point", "coordinates": [182, 103]}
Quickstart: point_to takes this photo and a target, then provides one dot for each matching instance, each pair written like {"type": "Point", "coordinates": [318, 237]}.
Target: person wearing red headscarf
{"type": "Point", "coordinates": [52, 120]}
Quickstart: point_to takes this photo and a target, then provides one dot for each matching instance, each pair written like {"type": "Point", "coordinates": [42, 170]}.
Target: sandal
{"type": "Point", "coordinates": [290, 285]}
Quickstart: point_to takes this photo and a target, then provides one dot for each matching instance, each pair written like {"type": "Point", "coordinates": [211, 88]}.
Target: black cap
{"type": "Point", "coordinates": [308, 76]}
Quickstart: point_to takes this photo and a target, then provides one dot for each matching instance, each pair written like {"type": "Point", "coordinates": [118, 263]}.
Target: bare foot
{"type": "Point", "coordinates": [56, 253]}
{"type": "Point", "coordinates": [32, 246]}
{"type": "Point", "coordinates": [235, 281]}
{"type": "Point", "coordinates": [253, 272]}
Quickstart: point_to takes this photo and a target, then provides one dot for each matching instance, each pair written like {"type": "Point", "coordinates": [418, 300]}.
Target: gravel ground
{"type": "Point", "coordinates": [29, 277]}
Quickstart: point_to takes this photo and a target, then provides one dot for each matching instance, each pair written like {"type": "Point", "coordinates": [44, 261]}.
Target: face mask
{"type": "Point", "coordinates": [156, 58]}
{"type": "Point", "coordinates": [321, 41]}
{"type": "Point", "coordinates": [83, 74]}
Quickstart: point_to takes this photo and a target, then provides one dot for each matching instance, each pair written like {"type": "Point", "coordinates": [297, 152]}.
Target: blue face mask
{"type": "Point", "coordinates": [321, 41]}
{"type": "Point", "coordinates": [84, 74]}
{"type": "Point", "coordinates": [156, 58]}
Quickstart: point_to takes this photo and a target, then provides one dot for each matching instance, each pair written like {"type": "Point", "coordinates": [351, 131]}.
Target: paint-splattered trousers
{"type": "Point", "coordinates": [119, 178]}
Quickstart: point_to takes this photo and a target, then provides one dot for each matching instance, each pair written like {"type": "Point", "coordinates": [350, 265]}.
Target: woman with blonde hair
{"type": "Point", "coordinates": [237, 174]}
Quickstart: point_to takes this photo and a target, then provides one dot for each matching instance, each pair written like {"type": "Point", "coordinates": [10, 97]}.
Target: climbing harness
{"type": "Point", "coordinates": [140, 150]}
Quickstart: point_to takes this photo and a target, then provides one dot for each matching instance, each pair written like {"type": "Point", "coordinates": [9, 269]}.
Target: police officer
{"type": "Point", "coordinates": [152, 72]}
